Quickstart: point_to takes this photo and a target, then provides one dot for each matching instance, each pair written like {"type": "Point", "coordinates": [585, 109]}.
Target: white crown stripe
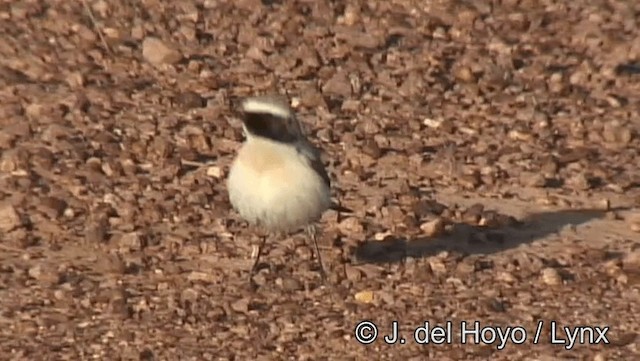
{"type": "Point", "coordinates": [265, 106]}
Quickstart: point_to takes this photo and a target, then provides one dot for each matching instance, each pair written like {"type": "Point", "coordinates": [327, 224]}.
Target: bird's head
{"type": "Point", "coordinates": [270, 117]}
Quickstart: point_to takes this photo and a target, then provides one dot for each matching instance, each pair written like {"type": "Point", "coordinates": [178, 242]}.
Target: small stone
{"type": "Point", "coordinates": [44, 275]}
{"type": "Point", "coordinates": [555, 83]}
{"type": "Point", "coordinates": [617, 134]}
{"type": "Point", "coordinates": [214, 172]}
{"type": "Point", "coordinates": [33, 110]}
{"type": "Point", "coordinates": [634, 221]}
{"type": "Point", "coordinates": [156, 52]}
{"type": "Point", "coordinates": [241, 305]}
{"type": "Point", "coordinates": [372, 149]}
{"type": "Point", "coordinates": [43, 158]}
{"type": "Point", "coordinates": [386, 297]}
{"type": "Point", "coordinates": [96, 232]}
{"type": "Point", "coordinates": [190, 100]}
{"type": "Point", "coordinates": [381, 236]}
{"type": "Point", "coordinates": [130, 242]}
{"type": "Point", "coordinates": [69, 213]}
{"type": "Point", "coordinates": [432, 123]}
{"type": "Point", "coordinates": [464, 74]}
{"type": "Point", "coordinates": [9, 218]}
{"type": "Point", "coordinates": [351, 15]}
{"type": "Point", "coordinates": [520, 135]}
{"type": "Point", "coordinates": [473, 214]}
{"type": "Point", "coordinates": [632, 260]}
{"type": "Point", "coordinates": [201, 276]}
{"type": "Point", "coordinates": [289, 284]}
{"type": "Point", "coordinates": [53, 206]}
{"type": "Point", "coordinates": [536, 180]}
{"type": "Point", "coordinates": [75, 79]}
{"type": "Point", "coordinates": [580, 182]}
{"type": "Point", "coordinates": [350, 105]}
{"type": "Point", "coordinates": [350, 225]}
{"type": "Point", "coordinates": [604, 204]}
{"type": "Point", "coordinates": [427, 207]}
{"type": "Point", "coordinates": [505, 277]}
{"type": "Point", "coordinates": [35, 271]}
{"type": "Point", "coordinates": [9, 163]}
{"type": "Point", "coordinates": [338, 85]}
{"type": "Point", "coordinates": [437, 265]}
{"type": "Point", "coordinates": [551, 276]}
{"type": "Point", "coordinates": [364, 296]}
{"type": "Point", "coordinates": [189, 294]}
{"type": "Point", "coordinates": [465, 268]}
{"type": "Point", "coordinates": [489, 219]}
{"type": "Point", "coordinates": [549, 168]}
{"type": "Point", "coordinates": [353, 274]}
{"type": "Point", "coordinates": [471, 181]}
{"type": "Point", "coordinates": [433, 228]}
{"type": "Point", "coordinates": [59, 295]}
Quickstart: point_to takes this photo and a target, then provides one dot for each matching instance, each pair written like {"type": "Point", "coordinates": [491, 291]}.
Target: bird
{"type": "Point", "coordinates": [277, 181]}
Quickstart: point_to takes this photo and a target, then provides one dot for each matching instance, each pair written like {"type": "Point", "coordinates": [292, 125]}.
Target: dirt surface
{"type": "Point", "coordinates": [490, 151]}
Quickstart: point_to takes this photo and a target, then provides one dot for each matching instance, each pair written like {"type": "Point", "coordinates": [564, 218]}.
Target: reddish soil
{"type": "Point", "coordinates": [490, 151]}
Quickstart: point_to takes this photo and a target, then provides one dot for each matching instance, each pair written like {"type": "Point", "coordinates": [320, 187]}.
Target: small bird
{"type": "Point", "coordinates": [277, 181]}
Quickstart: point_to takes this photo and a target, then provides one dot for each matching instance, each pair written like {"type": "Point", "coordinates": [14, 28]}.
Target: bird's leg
{"type": "Point", "coordinates": [311, 232]}
{"type": "Point", "coordinates": [257, 260]}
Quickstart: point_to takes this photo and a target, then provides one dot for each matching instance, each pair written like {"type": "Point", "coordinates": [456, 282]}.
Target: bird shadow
{"type": "Point", "coordinates": [468, 239]}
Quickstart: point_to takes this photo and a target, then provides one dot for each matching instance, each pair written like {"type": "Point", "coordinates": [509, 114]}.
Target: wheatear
{"type": "Point", "coordinates": [277, 181]}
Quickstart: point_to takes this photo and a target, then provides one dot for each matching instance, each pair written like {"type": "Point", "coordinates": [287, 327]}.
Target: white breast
{"type": "Point", "coordinates": [273, 186]}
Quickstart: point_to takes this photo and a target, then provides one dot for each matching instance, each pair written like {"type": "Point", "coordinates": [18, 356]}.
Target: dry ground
{"type": "Point", "coordinates": [489, 149]}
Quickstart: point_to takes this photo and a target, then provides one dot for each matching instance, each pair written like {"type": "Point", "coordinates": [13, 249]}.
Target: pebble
{"type": "Point", "coordinates": [631, 260]}
{"type": "Point", "coordinates": [9, 218]}
{"type": "Point", "coordinates": [289, 284]}
{"type": "Point", "coordinates": [157, 52]}
{"type": "Point", "coordinates": [364, 296]}
{"type": "Point", "coordinates": [551, 276]}
{"type": "Point", "coordinates": [433, 228]}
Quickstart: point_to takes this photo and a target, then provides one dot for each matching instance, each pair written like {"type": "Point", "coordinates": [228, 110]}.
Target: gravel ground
{"type": "Point", "coordinates": [490, 151]}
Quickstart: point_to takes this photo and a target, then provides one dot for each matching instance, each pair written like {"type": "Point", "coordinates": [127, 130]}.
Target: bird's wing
{"type": "Point", "coordinates": [312, 155]}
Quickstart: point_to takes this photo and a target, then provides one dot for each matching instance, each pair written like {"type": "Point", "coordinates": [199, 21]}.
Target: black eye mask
{"type": "Point", "coordinates": [271, 126]}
